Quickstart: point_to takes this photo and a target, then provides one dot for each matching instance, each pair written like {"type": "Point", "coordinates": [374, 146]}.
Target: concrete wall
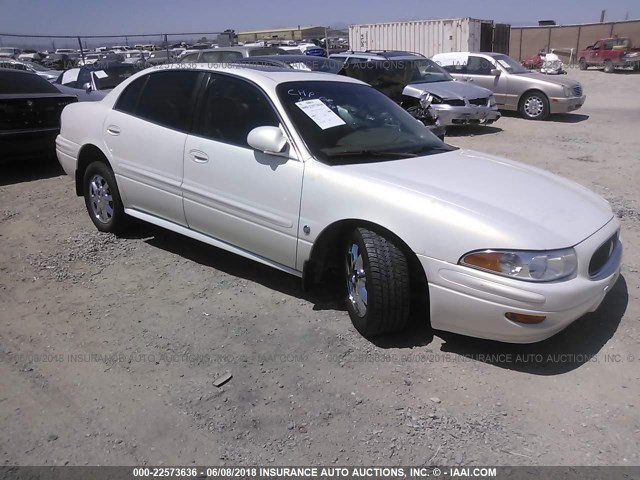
{"type": "Point", "coordinates": [527, 41]}
{"type": "Point", "coordinates": [281, 34]}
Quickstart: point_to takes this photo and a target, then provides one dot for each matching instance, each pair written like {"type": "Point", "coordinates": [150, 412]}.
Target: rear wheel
{"type": "Point", "coordinates": [534, 106]}
{"type": "Point", "coordinates": [608, 66]}
{"type": "Point", "coordinates": [378, 286]}
{"type": "Point", "coordinates": [582, 64]}
{"type": "Point", "coordinates": [102, 198]}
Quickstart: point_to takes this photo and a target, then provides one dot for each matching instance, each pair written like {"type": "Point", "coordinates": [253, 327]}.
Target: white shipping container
{"type": "Point", "coordinates": [427, 37]}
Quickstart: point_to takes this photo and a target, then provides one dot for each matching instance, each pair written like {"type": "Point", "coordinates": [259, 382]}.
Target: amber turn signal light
{"type": "Point", "coordinates": [522, 318]}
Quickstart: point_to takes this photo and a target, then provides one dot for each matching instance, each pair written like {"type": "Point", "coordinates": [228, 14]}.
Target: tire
{"type": "Point", "coordinates": [608, 66]}
{"type": "Point", "coordinates": [378, 293]}
{"type": "Point", "coordinates": [102, 198]}
{"type": "Point", "coordinates": [534, 106]}
{"type": "Point", "coordinates": [582, 64]}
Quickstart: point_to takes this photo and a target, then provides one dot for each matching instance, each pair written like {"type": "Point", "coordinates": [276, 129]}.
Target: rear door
{"type": "Point", "coordinates": [232, 192]}
{"type": "Point", "coordinates": [145, 133]}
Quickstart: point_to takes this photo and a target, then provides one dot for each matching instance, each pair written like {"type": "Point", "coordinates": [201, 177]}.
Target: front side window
{"type": "Point", "coordinates": [509, 64]}
{"type": "Point", "coordinates": [164, 98]}
{"type": "Point", "coordinates": [191, 58]}
{"type": "Point", "coordinates": [352, 123]}
{"type": "Point", "coordinates": [479, 66]}
{"type": "Point", "coordinates": [231, 108]}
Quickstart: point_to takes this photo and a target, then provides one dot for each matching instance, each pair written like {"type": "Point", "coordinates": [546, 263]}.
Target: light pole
{"type": "Point", "coordinates": [326, 39]}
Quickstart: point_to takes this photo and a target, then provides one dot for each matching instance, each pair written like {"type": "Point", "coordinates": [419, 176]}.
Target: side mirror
{"type": "Point", "coordinates": [267, 139]}
{"type": "Point", "coordinates": [495, 72]}
{"type": "Point", "coordinates": [87, 87]}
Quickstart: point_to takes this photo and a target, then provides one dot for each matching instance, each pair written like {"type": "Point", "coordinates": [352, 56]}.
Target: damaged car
{"type": "Point", "coordinates": [411, 78]}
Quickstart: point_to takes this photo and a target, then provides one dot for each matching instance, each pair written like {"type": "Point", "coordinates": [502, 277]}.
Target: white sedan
{"type": "Point", "coordinates": [314, 174]}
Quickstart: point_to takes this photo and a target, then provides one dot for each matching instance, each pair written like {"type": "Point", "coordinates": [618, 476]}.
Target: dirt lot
{"type": "Point", "coordinates": [109, 346]}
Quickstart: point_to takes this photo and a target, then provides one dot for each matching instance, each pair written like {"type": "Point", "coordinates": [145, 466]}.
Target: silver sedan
{"type": "Point", "coordinates": [532, 94]}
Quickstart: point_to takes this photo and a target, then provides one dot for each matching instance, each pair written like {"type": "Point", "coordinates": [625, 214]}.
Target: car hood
{"type": "Point", "coordinates": [447, 90]}
{"type": "Point", "coordinates": [564, 80]}
{"type": "Point", "coordinates": [502, 203]}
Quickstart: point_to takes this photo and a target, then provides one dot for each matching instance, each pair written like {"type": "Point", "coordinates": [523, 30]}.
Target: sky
{"type": "Point", "coordinates": [93, 17]}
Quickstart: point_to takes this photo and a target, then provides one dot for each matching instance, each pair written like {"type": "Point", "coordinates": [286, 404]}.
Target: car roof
{"type": "Point", "coordinates": [263, 74]}
{"type": "Point", "coordinates": [287, 58]}
{"type": "Point", "coordinates": [238, 48]}
{"type": "Point", "coordinates": [379, 54]}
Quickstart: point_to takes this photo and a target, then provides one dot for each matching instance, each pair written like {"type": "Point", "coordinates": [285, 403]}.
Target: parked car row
{"type": "Point", "coordinates": [30, 109]}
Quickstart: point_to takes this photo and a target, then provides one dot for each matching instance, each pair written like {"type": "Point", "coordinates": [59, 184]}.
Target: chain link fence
{"type": "Point", "coordinates": [83, 44]}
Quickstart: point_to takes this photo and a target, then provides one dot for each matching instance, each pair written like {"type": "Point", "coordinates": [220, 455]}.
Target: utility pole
{"type": "Point", "coordinates": [602, 16]}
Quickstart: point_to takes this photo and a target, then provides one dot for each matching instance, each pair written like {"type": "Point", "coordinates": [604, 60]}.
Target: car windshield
{"type": "Point", "coordinates": [37, 67]}
{"type": "Point", "coordinates": [17, 82]}
{"type": "Point", "coordinates": [316, 64]}
{"type": "Point", "coordinates": [267, 51]}
{"type": "Point", "coordinates": [509, 64]}
{"type": "Point", "coordinates": [111, 77]}
{"type": "Point", "coordinates": [426, 71]}
{"type": "Point", "coordinates": [344, 122]}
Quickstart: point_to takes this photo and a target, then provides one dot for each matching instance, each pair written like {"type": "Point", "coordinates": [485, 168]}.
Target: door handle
{"type": "Point", "coordinates": [198, 156]}
{"type": "Point", "coordinates": [113, 130]}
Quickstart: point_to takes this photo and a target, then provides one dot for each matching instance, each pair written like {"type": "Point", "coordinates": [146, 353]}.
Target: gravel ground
{"type": "Point", "coordinates": [110, 347]}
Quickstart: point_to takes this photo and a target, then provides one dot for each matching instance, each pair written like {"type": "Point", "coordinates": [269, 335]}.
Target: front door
{"type": "Point", "coordinates": [478, 71]}
{"type": "Point", "coordinates": [232, 192]}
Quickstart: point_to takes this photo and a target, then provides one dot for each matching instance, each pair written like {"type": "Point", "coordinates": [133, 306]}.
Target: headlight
{"type": "Point", "coordinates": [492, 101]}
{"type": "Point", "coordinates": [426, 100]}
{"type": "Point", "coordinates": [568, 91]}
{"type": "Point", "coordinates": [435, 99]}
{"type": "Point", "coordinates": [532, 266]}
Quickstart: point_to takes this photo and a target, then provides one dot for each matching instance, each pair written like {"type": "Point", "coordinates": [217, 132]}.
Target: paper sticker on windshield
{"type": "Point", "coordinates": [70, 76]}
{"type": "Point", "coordinates": [320, 113]}
{"type": "Point", "coordinates": [100, 74]}
{"type": "Point", "coordinates": [504, 64]}
{"type": "Point", "coordinates": [299, 66]}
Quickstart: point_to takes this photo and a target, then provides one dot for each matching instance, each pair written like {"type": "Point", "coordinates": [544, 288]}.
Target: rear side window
{"type": "Point", "coordinates": [165, 98]}
{"type": "Point", "coordinates": [19, 82]}
{"type": "Point", "coordinates": [222, 56]}
{"type": "Point", "coordinates": [192, 57]}
{"type": "Point", "coordinates": [128, 100]}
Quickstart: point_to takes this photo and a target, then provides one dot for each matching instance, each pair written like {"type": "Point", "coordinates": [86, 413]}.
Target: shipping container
{"type": "Point", "coordinates": [427, 37]}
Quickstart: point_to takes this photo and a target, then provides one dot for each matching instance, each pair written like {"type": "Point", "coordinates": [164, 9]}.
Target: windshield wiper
{"type": "Point", "coordinates": [428, 149]}
{"type": "Point", "coordinates": [371, 153]}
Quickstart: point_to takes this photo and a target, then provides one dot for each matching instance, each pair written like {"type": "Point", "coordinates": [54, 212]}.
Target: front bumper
{"type": "Point", "coordinates": [466, 115]}
{"type": "Point", "coordinates": [474, 303]}
{"type": "Point", "coordinates": [564, 105]}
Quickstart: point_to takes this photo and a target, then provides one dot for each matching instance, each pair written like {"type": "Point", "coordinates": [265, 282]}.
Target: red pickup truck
{"type": "Point", "coordinates": [610, 53]}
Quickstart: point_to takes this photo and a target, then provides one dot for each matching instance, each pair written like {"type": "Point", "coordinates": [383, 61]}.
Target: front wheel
{"type": "Point", "coordinates": [582, 64]}
{"type": "Point", "coordinates": [102, 198]}
{"type": "Point", "coordinates": [608, 66]}
{"type": "Point", "coordinates": [378, 286]}
{"type": "Point", "coordinates": [534, 106]}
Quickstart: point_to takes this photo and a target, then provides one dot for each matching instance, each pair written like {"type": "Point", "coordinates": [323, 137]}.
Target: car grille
{"type": "Point", "coordinates": [577, 91]}
{"type": "Point", "coordinates": [454, 103]}
{"type": "Point", "coordinates": [27, 114]}
{"type": "Point", "coordinates": [479, 101]}
{"type": "Point", "coordinates": [602, 255]}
